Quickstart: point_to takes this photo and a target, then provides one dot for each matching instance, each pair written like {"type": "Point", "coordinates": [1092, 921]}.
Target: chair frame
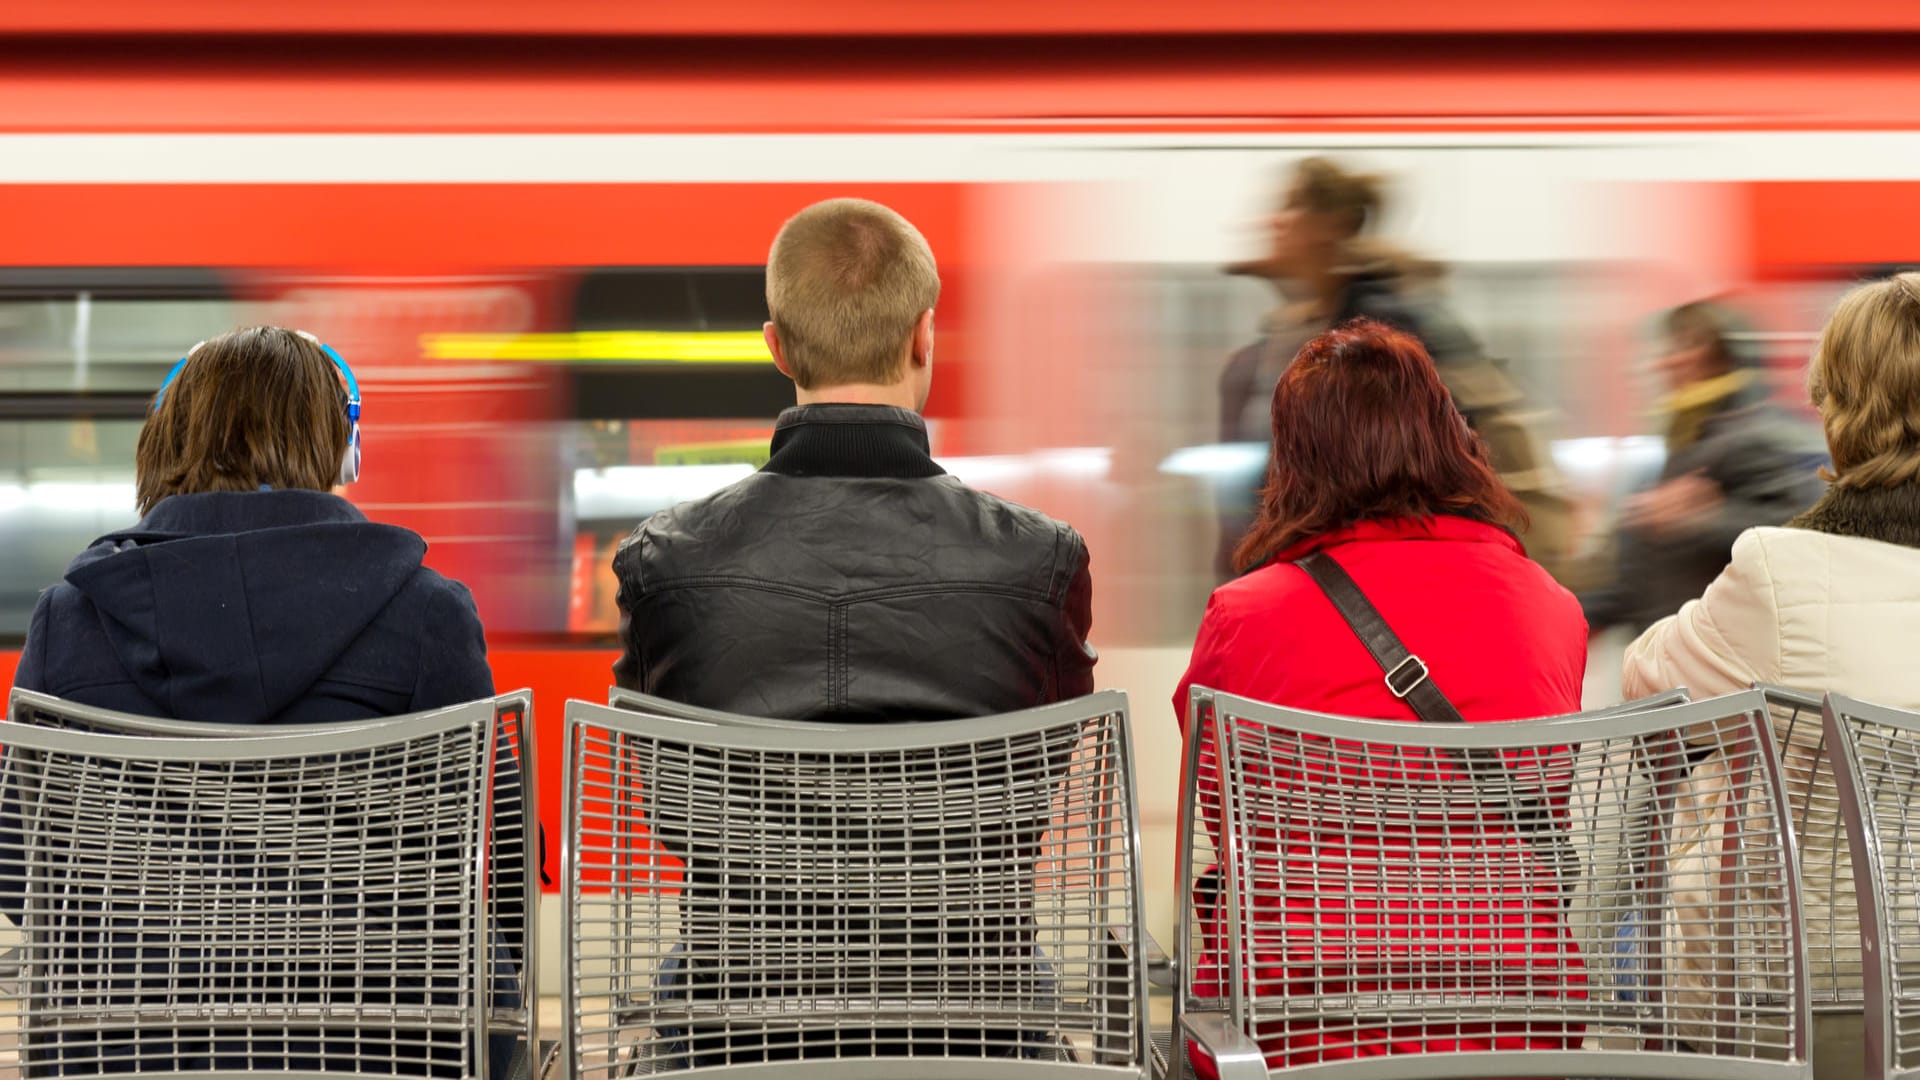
{"type": "Point", "coordinates": [109, 722]}
{"type": "Point", "coordinates": [1813, 705]}
{"type": "Point", "coordinates": [642, 715]}
{"type": "Point", "coordinates": [1879, 931]}
{"type": "Point", "coordinates": [1238, 1056]}
{"type": "Point", "coordinates": [319, 739]}
{"type": "Point", "coordinates": [1180, 972]}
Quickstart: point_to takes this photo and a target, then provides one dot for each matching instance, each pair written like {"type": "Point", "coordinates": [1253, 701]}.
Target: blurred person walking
{"type": "Point", "coordinates": [1826, 602]}
{"type": "Point", "coordinates": [1376, 478]}
{"type": "Point", "coordinates": [1329, 268]}
{"type": "Point", "coordinates": [1733, 462]}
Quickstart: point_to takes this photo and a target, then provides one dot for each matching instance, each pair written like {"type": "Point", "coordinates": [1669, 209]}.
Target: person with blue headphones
{"type": "Point", "coordinates": [250, 593]}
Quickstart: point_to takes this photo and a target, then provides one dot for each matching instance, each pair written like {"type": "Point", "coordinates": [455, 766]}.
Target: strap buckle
{"type": "Point", "coordinates": [1403, 688]}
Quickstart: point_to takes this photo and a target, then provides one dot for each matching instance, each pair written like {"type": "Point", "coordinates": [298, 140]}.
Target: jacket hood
{"type": "Point", "coordinates": [228, 606]}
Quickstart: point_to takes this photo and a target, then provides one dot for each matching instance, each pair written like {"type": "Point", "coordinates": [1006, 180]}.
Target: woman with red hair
{"type": "Point", "coordinates": [1377, 481]}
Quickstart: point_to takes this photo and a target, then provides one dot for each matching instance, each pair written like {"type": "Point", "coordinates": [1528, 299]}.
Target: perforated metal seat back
{"type": "Point", "coordinates": [957, 890]}
{"type": "Point", "coordinates": [299, 903]}
{"type": "Point", "coordinates": [1876, 763]}
{"type": "Point", "coordinates": [1510, 890]}
{"type": "Point", "coordinates": [1200, 867]}
{"type": "Point", "coordinates": [1826, 872]}
{"type": "Point", "coordinates": [512, 895]}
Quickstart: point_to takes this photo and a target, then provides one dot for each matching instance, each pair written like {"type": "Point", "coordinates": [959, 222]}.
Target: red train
{"type": "Point", "coordinates": [536, 232]}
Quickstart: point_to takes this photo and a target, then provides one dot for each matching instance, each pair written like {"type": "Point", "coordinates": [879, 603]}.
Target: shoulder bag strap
{"type": "Point", "coordinates": [1406, 674]}
{"type": "Point", "coordinates": [1407, 678]}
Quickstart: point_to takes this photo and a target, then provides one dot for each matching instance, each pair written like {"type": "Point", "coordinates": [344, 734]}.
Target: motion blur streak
{"type": "Point", "coordinates": [537, 232]}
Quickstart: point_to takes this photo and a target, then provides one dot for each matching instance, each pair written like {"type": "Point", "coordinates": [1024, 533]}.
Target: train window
{"type": "Point", "coordinates": [102, 331]}
{"type": "Point", "coordinates": [81, 352]}
{"type": "Point", "coordinates": [674, 396]}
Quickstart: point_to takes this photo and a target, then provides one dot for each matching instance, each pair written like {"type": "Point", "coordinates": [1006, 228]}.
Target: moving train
{"type": "Point", "coordinates": [543, 255]}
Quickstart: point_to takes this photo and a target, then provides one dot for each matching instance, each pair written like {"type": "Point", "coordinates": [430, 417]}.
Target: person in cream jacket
{"type": "Point", "coordinates": [1830, 602]}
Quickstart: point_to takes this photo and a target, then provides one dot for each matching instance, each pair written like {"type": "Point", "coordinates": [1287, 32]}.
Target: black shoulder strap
{"type": "Point", "coordinates": [1406, 674]}
{"type": "Point", "coordinates": [1407, 678]}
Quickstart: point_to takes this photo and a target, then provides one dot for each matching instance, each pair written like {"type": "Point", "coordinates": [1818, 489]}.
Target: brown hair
{"type": "Point", "coordinates": [1865, 380]}
{"type": "Point", "coordinates": [1322, 186]}
{"type": "Point", "coordinates": [1364, 429]}
{"type": "Point", "coordinates": [1704, 322]}
{"type": "Point", "coordinates": [257, 406]}
{"type": "Point", "coordinates": [847, 279]}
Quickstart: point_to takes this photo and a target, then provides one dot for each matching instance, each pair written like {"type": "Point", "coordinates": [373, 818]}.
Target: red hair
{"type": "Point", "coordinates": [1363, 428]}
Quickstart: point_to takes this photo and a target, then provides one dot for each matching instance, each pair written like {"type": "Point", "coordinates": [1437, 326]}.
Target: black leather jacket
{"type": "Point", "coordinates": [852, 579]}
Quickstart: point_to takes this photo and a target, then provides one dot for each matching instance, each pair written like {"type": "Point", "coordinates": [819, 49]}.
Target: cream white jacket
{"type": "Point", "coordinates": [1803, 609]}
{"type": "Point", "coordinates": [1795, 608]}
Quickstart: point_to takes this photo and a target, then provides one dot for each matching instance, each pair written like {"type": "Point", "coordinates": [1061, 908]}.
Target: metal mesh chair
{"type": "Point", "coordinates": [963, 893]}
{"type": "Point", "coordinates": [1819, 829]}
{"type": "Point", "coordinates": [1199, 869]}
{"type": "Point", "coordinates": [512, 896]}
{"type": "Point", "coordinates": [1503, 890]}
{"type": "Point", "coordinates": [1876, 763]}
{"type": "Point", "coordinates": [635, 701]}
{"type": "Point", "coordinates": [291, 904]}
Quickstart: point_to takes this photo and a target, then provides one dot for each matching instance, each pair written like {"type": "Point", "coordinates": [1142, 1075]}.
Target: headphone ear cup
{"type": "Point", "coordinates": [350, 465]}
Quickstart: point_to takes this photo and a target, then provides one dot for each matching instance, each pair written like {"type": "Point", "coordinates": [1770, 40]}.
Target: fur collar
{"type": "Point", "coordinates": [1890, 515]}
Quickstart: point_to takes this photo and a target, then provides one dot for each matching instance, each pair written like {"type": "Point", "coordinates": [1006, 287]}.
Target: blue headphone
{"type": "Point", "coordinates": [350, 466]}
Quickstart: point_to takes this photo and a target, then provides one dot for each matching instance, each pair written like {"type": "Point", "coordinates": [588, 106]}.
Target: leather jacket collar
{"type": "Point", "coordinates": [851, 440]}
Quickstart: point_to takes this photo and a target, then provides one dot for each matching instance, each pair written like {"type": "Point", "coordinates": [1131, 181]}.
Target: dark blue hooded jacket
{"type": "Point", "coordinates": [254, 608]}
{"type": "Point", "coordinates": [257, 608]}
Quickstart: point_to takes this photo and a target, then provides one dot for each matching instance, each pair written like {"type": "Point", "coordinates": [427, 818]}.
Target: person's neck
{"type": "Point", "coordinates": [1327, 285]}
{"type": "Point", "coordinates": [900, 395]}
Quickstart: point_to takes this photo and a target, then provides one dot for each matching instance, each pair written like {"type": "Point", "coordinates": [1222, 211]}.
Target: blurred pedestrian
{"type": "Point", "coordinates": [1329, 267]}
{"type": "Point", "coordinates": [1733, 462]}
{"type": "Point", "coordinates": [1825, 603]}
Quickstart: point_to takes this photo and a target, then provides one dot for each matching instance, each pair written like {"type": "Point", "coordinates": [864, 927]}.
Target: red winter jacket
{"type": "Point", "coordinates": [1503, 641]}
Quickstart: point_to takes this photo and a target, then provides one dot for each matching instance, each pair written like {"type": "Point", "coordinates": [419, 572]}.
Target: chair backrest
{"type": "Point", "coordinates": [1876, 763]}
{"type": "Point", "coordinates": [965, 893]}
{"type": "Point", "coordinates": [1199, 865]}
{"type": "Point", "coordinates": [1392, 882]}
{"type": "Point", "coordinates": [635, 701]}
{"type": "Point", "coordinates": [1819, 829]}
{"type": "Point", "coordinates": [284, 904]}
{"type": "Point", "coordinates": [512, 897]}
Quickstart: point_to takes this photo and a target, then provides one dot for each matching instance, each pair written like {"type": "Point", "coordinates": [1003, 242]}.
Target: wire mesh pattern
{"type": "Point", "coordinates": [963, 889]}
{"type": "Point", "coordinates": [1386, 888]}
{"type": "Point", "coordinates": [295, 903]}
{"type": "Point", "coordinates": [1826, 870]}
{"type": "Point", "coordinates": [512, 895]}
{"type": "Point", "coordinates": [1877, 766]}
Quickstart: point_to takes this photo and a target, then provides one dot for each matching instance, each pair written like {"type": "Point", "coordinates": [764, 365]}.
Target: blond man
{"type": "Point", "coordinates": [851, 578]}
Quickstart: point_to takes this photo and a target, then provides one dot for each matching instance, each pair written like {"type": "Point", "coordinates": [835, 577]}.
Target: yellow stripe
{"type": "Point", "coordinates": [602, 346]}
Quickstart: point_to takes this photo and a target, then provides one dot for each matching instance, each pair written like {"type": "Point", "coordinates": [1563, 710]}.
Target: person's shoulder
{"type": "Point", "coordinates": [997, 512]}
{"type": "Point", "coordinates": [1019, 531]}
{"type": "Point", "coordinates": [1779, 552]}
{"type": "Point", "coordinates": [60, 596]}
{"type": "Point", "coordinates": [442, 597]}
{"type": "Point", "coordinates": [1270, 589]}
{"type": "Point", "coordinates": [696, 523]}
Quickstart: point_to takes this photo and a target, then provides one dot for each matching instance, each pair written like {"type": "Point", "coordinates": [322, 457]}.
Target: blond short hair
{"type": "Point", "coordinates": [1865, 380]}
{"type": "Point", "coordinates": [847, 279]}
